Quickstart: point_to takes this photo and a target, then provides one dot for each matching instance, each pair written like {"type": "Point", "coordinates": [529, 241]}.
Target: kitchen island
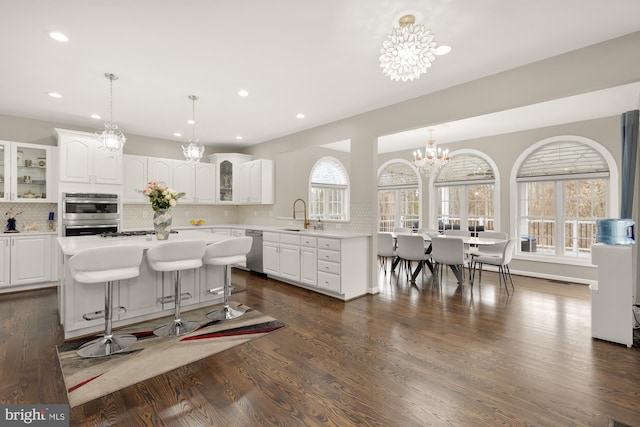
{"type": "Point", "coordinates": [145, 297]}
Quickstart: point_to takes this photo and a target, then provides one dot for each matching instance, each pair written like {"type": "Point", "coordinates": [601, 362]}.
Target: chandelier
{"type": "Point", "coordinates": [194, 150]}
{"type": "Point", "coordinates": [434, 157]}
{"type": "Point", "coordinates": [408, 51]}
{"type": "Point", "coordinates": [110, 138]}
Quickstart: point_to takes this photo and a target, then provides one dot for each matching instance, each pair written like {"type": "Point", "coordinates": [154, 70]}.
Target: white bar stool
{"type": "Point", "coordinates": [225, 253]}
{"type": "Point", "coordinates": [106, 265]}
{"type": "Point", "coordinates": [175, 257]}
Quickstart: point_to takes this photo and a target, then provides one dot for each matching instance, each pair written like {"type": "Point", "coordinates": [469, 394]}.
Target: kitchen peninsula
{"type": "Point", "coordinates": [145, 297]}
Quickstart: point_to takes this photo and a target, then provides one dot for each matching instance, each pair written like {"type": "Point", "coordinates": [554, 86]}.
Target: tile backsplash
{"type": "Point", "coordinates": [29, 216]}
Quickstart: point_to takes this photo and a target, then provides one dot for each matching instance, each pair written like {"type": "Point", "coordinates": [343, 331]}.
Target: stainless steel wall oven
{"type": "Point", "coordinates": [90, 213]}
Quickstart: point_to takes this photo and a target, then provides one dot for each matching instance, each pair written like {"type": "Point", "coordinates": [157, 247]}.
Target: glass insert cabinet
{"type": "Point", "coordinates": [26, 172]}
{"type": "Point", "coordinates": [228, 167]}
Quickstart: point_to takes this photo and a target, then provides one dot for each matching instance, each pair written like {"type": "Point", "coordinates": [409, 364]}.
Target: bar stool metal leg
{"type": "Point", "coordinates": [178, 326]}
{"type": "Point", "coordinates": [108, 344]}
{"type": "Point", "coordinates": [226, 312]}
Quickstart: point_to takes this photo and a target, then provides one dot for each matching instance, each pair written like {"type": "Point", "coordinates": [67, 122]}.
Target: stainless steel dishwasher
{"type": "Point", "coordinates": [254, 257]}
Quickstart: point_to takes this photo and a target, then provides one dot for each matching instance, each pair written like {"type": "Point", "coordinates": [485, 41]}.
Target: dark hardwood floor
{"type": "Point", "coordinates": [413, 355]}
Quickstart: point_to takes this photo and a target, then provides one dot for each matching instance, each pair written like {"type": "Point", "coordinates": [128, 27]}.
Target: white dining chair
{"type": "Point", "coordinates": [490, 250]}
{"type": "Point", "coordinates": [461, 233]}
{"type": "Point", "coordinates": [502, 262]}
{"type": "Point", "coordinates": [386, 249]}
{"type": "Point", "coordinates": [448, 251]}
{"type": "Point", "coordinates": [411, 248]}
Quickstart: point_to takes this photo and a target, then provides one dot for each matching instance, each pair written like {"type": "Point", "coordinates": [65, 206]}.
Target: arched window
{"type": "Point", "coordinates": [398, 196]}
{"type": "Point", "coordinates": [465, 193]}
{"type": "Point", "coordinates": [329, 190]}
{"type": "Point", "coordinates": [563, 187]}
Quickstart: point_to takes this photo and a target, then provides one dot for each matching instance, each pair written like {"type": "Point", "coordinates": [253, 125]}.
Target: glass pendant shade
{"type": "Point", "coordinates": [110, 137]}
{"type": "Point", "coordinates": [408, 51]}
{"type": "Point", "coordinates": [434, 157]}
{"type": "Point", "coordinates": [194, 150]}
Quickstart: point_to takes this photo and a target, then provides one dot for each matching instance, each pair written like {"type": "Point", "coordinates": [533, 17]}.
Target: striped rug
{"type": "Point", "coordinates": [90, 378]}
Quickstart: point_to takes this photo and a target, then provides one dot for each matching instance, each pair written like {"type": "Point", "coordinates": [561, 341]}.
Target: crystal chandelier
{"type": "Point", "coordinates": [408, 51]}
{"type": "Point", "coordinates": [434, 157]}
{"type": "Point", "coordinates": [193, 151]}
{"type": "Point", "coordinates": [110, 138]}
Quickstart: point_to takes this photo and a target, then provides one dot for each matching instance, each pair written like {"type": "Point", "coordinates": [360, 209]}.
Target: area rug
{"type": "Point", "coordinates": [89, 378]}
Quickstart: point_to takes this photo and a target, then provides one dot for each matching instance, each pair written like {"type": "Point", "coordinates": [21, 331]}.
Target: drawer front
{"type": "Point", "coordinates": [270, 237]}
{"type": "Point", "coordinates": [290, 239]}
{"type": "Point", "coordinates": [329, 267]}
{"type": "Point", "coordinates": [331, 244]}
{"type": "Point", "coordinates": [332, 256]}
{"type": "Point", "coordinates": [330, 282]}
{"type": "Point", "coordinates": [309, 242]}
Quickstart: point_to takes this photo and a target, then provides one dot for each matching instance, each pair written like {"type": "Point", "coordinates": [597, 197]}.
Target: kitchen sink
{"type": "Point", "coordinates": [291, 229]}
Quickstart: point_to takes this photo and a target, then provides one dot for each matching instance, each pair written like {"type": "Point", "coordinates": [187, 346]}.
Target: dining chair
{"type": "Point", "coordinates": [461, 233]}
{"type": "Point", "coordinates": [386, 249]}
{"type": "Point", "coordinates": [411, 248]}
{"type": "Point", "coordinates": [490, 250]}
{"type": "Point", "coordinates": [502, 262]}
{"type": "Point", "coordinates": [449, 251]}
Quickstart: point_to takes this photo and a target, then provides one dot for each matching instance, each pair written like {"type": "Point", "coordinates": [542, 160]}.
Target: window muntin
{"type": "Point", "coordinates": [465, 193]}
{"type": "Point", "coordinates": [398, 197]}
{"type": "Point", "coordinates": [329, 190]}
{"type": "Point", "coordinates": [563, 189]}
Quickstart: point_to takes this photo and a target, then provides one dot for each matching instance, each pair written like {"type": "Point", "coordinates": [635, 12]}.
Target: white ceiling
{"type": "Point", "coordinates": [319, 58]}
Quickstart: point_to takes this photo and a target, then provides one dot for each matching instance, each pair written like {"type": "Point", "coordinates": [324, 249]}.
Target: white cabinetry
{"type": "Point", "coordinates": [338, 267]}
{"type": "Point", "coordinates": [135, 179]}
{"type": "Point", "coordinates": [281, 255]}
{"type": "Point", "coordinates": [228, 176]}
{"type": "Point", "coordinates": [82, 160]}
{"type": "Point", "coordinates": [256, 182]}
{"type": "Point", "coordinates": [26, 259]}
{"type": "Point", "coordinates": [308, 261]}
{"type": "Point", "coordinates": [196, 180]}
{"type": "Point", "coordinates": [27, 172]}
{"type": "Point", "coordinates": [5, 261]}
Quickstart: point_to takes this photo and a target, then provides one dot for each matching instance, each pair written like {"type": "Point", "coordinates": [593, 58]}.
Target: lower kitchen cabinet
{"type": "Point", "coordinates": [26, 259]}
{"type": "Point", "coordinates": [337, 267]}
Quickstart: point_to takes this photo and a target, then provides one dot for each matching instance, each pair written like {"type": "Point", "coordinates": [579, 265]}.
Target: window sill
{"type": "Point", "coordinates": [583, 262]}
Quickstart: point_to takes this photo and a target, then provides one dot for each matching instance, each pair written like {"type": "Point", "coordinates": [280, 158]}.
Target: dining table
{"type": "Point", "coordinates": [471, 241]}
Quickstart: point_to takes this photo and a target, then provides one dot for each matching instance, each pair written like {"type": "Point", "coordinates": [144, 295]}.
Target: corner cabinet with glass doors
{"type": "Point", "coordinates": [27, 172]}
{"type": "Point", "coordinates": [228, 167]}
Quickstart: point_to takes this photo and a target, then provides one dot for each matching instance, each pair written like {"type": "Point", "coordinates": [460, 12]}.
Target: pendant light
{"type": "Point", "coordinates": [194, 150]}
{"type": "Point", "coordinates": [110, 138]}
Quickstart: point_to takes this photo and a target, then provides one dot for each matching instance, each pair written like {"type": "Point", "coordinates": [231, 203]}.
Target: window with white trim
{"type": "Point", "coordinates": [329, 190]}
{"type": "Point", "coordinates": [398, 197]}
{"type": "Point", "coordinates": [465, 188]}
{"type": "Point", "coordinates": [562, 191]}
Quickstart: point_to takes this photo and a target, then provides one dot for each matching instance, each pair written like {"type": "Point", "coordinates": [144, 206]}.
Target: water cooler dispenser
{"type": "Point", "coordinates": [612, 298]}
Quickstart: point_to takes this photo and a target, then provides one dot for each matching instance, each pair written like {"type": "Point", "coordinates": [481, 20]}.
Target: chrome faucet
{"type": "Point", "coordinates": [306, 221]}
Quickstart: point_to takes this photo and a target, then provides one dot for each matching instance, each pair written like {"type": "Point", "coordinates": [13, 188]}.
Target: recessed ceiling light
{"type": "Point", "coordinates": [239, 137]}
{"type": "Point", "coordinates": [191, 122]}
{"type": "Point", "coordinates": [443, 50]}
{"type": "Point", "coordinates": [55, 95]}
{"type": "Point", "coordinates": [243, 93]}
{"type": "Point", "coordinates": [96, 116]}
{"type": "Point", "coordinates": [58, 36]}
{"type": "Point", "coordinates": [178, 134]}
{"type": "Point", "coordinates": [300, 116]}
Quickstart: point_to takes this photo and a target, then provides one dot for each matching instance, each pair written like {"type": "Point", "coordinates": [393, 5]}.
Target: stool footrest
{"type": "Point", "coordinates": [100, 314]}
{"type": "Point", "coordinates": [220, 290]}
{"type": "Point", "coordinates": [172, 298]}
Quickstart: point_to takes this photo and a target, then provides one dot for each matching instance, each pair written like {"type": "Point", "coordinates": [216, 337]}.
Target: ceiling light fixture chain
{"type": "Point", "coordinates": [194, 150]}
{"type": "Point", "coordinates": [111, 138]}
{"type": "Point", "coordinates": [408, 51]}
{"type": "Point", "coordinates": [434, 157]}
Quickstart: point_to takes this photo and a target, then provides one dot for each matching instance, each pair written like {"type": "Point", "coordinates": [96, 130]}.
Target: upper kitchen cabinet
{"type": "Point", "coordinates": [256, 182]}
{"type": "Point", "coordinates": [82, 159]}
{"type": "Point", "coordinates": [135, 178]}
{"type": "Point", "coordinates": [27, 172]}
{"type": "Point", "coordinates": [196, 180]}
{"type": "Point", "coordinates": [228, 168]}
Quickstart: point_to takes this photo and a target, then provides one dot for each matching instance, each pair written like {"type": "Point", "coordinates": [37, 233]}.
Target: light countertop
{"type": "Point", "coordinates": [73, 245]}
